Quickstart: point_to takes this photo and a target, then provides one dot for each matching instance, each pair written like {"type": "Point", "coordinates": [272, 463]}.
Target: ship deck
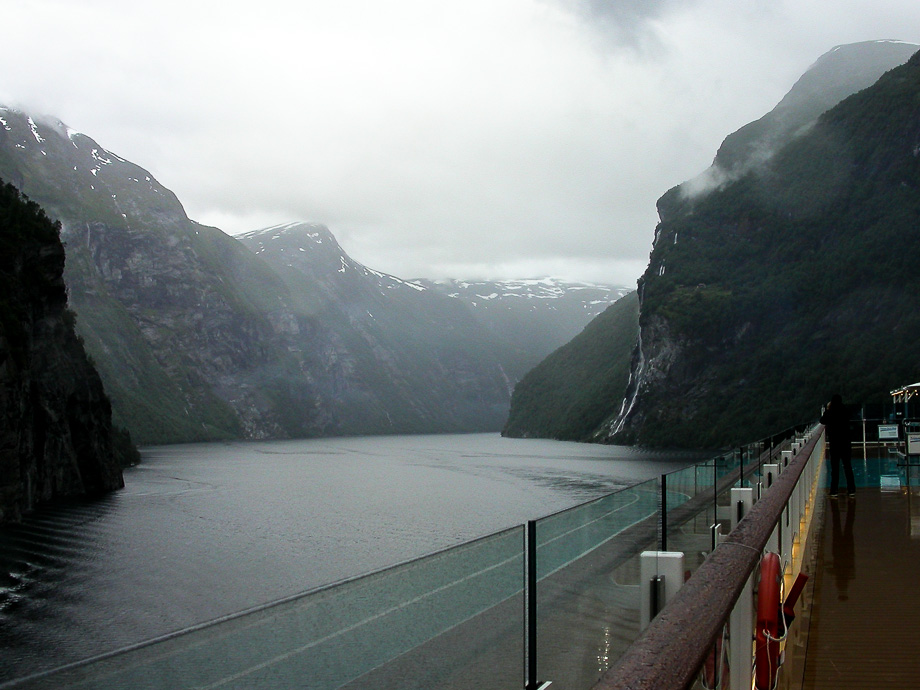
{"type": "Point", "coordinates": [860, 613]}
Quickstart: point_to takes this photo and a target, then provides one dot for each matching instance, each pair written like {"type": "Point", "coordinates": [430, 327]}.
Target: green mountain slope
{"type": "Point", "coordinates": [836, 75]}
{"type": "Point", "coordinates": [572, 391]}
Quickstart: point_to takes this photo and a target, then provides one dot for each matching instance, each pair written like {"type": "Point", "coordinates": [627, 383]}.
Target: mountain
{"type": "Point", "coordinates": [537, 316]}
{"type": "Point", "coordinates": [56, 434]}
{"type": "Point", "coordinates": [414, 360]}
{"type": "Point", "coordinates": [177, 342]}
{"type": "Point", "coordinates": [200, 336]}
{"type": "Point", "coordinates": [767, 288]}
{"type": "Point", "coordinates": [797, 280]}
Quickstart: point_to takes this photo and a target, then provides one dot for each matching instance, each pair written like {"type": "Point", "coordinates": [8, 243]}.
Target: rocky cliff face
{"type": "Point", "coordinates": [56, 436]}
{"type": "Point", "coordinates": [768, 292]}
{"type": "Point", "coordinates": [392, 353]}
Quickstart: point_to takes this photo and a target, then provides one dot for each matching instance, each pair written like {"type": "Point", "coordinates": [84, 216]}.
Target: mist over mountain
{"type": "Point", "coordinates": [538, 316]}
{"type": "Point", "coordinates": [277, 333]}
{"type": "Point", "coordinates": [783, 275]}
{"type": "Point", "coordinates": [840, 72]}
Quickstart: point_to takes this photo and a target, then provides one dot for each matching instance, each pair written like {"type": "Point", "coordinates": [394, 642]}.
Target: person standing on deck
{"type": "Point", "coordinates": [836, 421]}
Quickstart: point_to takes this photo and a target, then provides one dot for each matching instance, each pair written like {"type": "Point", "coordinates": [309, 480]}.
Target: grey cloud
{"type": "Point", "coordinates": [623, 23]}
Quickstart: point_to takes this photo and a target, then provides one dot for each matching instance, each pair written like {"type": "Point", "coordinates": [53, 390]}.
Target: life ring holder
{"type": "Point", "coordinates": [767, 634]}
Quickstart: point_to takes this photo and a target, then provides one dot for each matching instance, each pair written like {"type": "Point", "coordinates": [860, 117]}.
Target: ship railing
{"type": "Point", "coordinates": [709, 621]}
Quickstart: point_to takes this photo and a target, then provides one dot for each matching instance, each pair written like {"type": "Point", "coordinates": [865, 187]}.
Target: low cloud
{"type": "Point", "coordinates": [485, 136]}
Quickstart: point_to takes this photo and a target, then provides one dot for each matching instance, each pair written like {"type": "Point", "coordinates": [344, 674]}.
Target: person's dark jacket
{"type": "Point", "coordinates": [836, 421]}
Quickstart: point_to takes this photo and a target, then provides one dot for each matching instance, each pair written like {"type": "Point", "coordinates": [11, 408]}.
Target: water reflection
{"type": "Point", "coordinates": [46, 565]}
{"type": "Point", "coordinates": [842, 545]}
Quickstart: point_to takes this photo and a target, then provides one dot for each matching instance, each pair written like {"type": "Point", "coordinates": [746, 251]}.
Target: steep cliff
{"type": "Point", "coordinates": [56, 435]}
{"type": "Point", "coordinates": [766, 294]}
{"type": "Point", "coordinates": [386, 353]}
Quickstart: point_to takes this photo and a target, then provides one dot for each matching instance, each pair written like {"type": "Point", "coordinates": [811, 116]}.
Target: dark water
{"type": "Point", "coordinates": [205, 530]}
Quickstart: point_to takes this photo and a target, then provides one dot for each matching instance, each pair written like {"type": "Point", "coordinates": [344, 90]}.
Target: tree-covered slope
{"type": "Point", "coordinates": [572, 391]}
{"type": "Point", "coordinates": [798, 280]}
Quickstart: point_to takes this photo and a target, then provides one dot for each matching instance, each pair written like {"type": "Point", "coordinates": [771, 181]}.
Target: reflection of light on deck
{"type": "Point", "coordinates": [603, 659]}
{"type": "Point", "coordinates": [889, 482]}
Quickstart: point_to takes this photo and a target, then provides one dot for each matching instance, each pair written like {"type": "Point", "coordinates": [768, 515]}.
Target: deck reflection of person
{"type": "Point", "coordinates": [836, 421]}
{"type": "Point", "coordinates": [842, 548]}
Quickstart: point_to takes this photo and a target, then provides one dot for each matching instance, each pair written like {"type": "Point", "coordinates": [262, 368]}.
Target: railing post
{"type": "Point", "coordinates": [788, 527]}
{"type": "Point", "coordinates": [770, 475]}
{"type": "Point", "coordinates": [532, 682]}
{"type": "Point", "coordinates": [741, 622]}
{"type": "Point", "coordinates": [741, 466]}
{"type": "Point", "coordinates": [663, 517]}
{"type": "Point", "coordinates": [661, 574]}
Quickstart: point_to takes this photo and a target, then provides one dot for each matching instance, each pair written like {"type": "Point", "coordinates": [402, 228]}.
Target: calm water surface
{"type": "Point", "coordinates": [205, 530]}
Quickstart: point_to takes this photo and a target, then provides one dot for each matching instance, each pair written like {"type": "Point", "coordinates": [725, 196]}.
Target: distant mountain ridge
{"type": "Point", "coordinates": [538, 315]}
{"type": "Point", "coordinates": [279, 333]}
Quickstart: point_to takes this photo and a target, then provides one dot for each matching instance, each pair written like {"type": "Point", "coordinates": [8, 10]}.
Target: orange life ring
{"type": "Point", "coordinates": [766, 654]}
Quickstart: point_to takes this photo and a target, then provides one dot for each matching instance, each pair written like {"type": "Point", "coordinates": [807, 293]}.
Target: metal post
{"type": "Point", "coordinates": [715, 490]}
{"type": "Point", "coordinates": [532, 682]}
{"type": "Point", "coordinates": [656, 595]}
{"type": "Point", "coordinates": [863, 415]}
{"type": "Point", "coordinates": [663, 522]}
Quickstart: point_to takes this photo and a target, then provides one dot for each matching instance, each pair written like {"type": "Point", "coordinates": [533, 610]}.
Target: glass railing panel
{"type": "Point", "coordinates": [453, 611]}
{"type": "Point", "coordinates": [752, 455]}
{"type": "Point", "coordinates": [691, 512]}
{"type": "Point", "coordinates": [588, 591]}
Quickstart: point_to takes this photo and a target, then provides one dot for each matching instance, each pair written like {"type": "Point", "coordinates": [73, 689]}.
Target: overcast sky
{"type": "Point", "coordinates": [435, 138]}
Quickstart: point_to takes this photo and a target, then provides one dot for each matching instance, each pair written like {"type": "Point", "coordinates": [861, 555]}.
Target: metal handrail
{"type": "Point", "coordinates": [673, 648]}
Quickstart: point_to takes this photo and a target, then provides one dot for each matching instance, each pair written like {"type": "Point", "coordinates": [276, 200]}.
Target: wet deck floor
{"type": "Point", "coordinates": [865, 606]}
